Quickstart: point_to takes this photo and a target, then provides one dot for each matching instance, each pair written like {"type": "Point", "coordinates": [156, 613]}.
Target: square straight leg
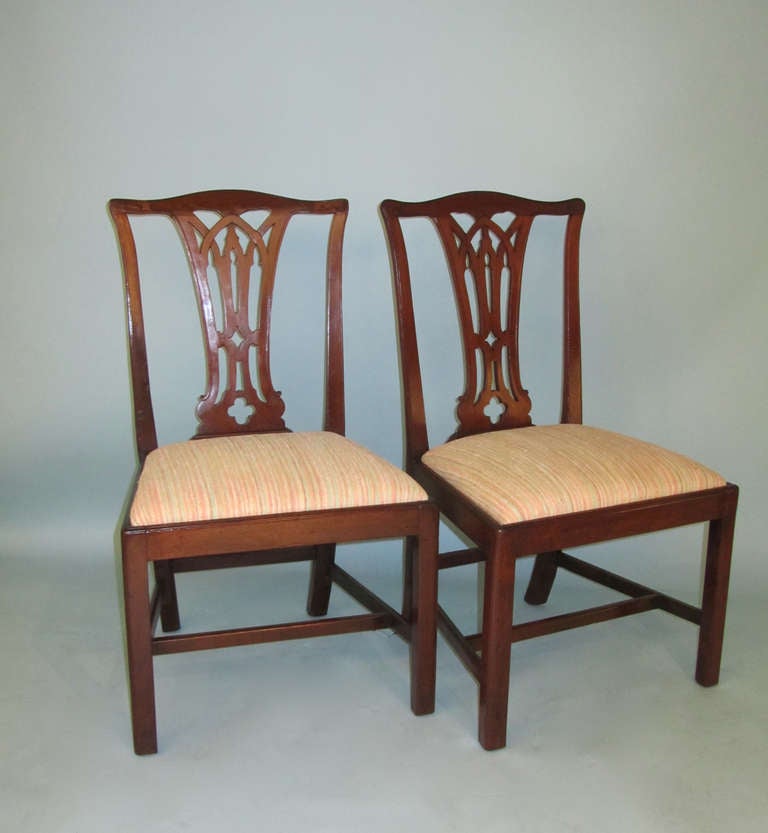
{"type": "Point", "coordinates": [715, 596]}
{"type": "Point", "coordinates": [138, 626]}
{"type": "Point", "coordinates": [496, 646]}
{"type": "Point", "coordinates": [421, 573]}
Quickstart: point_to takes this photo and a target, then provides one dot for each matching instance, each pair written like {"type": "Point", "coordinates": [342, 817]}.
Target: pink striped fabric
{"type": "Point", "coordinates": [264, 474]}
{"type": "Point", "coordinates": [543, 471]}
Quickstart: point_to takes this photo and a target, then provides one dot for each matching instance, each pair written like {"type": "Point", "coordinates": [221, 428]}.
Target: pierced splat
{"type": "Point", "coordinates": [233, 268]}
{"type": "Point", "coordinates": [485, 258]}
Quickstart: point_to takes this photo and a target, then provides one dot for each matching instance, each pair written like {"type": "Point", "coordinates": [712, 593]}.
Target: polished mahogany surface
{"type": "Point", "coordinates": [484, 236]}
{"type": "Point", "coordinates": [232, 241]}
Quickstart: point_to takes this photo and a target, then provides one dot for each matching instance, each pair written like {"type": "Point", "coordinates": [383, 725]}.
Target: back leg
{"type": "Point", "coordinates": [321, 580]}
{"type": "Point", "coordinates": [542, 578]}
{"type": "Point", "coordinates": [169, 604]}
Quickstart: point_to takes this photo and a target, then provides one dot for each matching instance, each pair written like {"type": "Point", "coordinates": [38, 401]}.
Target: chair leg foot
{"type": "Point", "coordinates": [320, 580]}
{"type": "Point", "coordinates": [715, 598]}
{"type": "Point", "coordinates": [145, 744]}
{"type": "Point", "coordinates": [497, 640]}
{"type": "Point", "coordinates": [423, 614]}
{"type": "Point", "coordinates": [542, 578]}
{"type": "Point", "coordinates": [139, 649]}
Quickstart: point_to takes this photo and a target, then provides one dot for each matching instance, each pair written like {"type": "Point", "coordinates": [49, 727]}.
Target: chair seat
{"type": "Point", "coordinates": [264, 474]}
{"type": "Point", "coordinates": [535, 472]}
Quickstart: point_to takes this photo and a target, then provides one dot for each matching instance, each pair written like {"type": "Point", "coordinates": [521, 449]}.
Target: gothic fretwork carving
{"type": "Point", "coordinates": [233, 267]}
{"type": "Point", "coordinates": [485, 256]}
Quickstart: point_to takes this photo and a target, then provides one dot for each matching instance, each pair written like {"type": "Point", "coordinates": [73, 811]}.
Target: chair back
{"type": "Point", "coordinates": [232, 241]}
{"type": "Point", "coordinates": [484, 236]}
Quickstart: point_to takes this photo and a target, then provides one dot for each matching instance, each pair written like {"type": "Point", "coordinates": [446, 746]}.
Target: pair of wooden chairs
{"type": "Point", "coordinates": [246, 490]}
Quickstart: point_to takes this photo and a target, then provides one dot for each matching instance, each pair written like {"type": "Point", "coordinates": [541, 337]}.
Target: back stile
{"type": "Point", "coordinates": [571, 393]}
{"type": "Point", "coordinates": [416, 438]}
{"type": "Point", "coordinates": [334, 419]}
{"type": "Point", "coordinates": [144, 420]}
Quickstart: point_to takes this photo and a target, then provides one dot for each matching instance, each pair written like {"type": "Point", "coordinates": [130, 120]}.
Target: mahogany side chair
{"type": "Point", "coordinates": [515, 489]}
{"type": "Point", "coordinates": [245, 490]}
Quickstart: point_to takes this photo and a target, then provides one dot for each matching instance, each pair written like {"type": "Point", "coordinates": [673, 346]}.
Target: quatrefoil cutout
{"type": "Point", "coordinates": [240, 410]}
{"type": "Point", "coordinates": [494, 410]}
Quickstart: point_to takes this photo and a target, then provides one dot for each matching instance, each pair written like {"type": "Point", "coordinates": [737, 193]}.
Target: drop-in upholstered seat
{"type": "Point", "coordinates": [264, 474]}
{"type": "Point", "coordinates": [523, 474]}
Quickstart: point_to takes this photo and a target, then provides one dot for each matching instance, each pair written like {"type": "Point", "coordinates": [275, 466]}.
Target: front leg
{"type": "Point", "coordinates": [138, 628]}
{"type": "Point", "coordinates": [496, 646]}
{"type": "Point", "coordinates": [422, 613]}
{"type": "Point", "coordinates": [715, 597]}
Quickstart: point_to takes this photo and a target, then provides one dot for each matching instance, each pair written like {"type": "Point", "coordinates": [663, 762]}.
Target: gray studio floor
{"type": "Point", "coordinates": [608, 731]}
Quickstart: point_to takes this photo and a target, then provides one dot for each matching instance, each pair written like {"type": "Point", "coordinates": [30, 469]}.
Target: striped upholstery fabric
{"type": "Point", "coordinates": [264, 474]}
{"type": "Point", "coordinates": [542, 471]}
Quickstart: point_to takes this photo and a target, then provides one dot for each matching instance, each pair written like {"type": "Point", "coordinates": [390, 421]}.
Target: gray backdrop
{"type": "Point", "coordinates": [654, 114]}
